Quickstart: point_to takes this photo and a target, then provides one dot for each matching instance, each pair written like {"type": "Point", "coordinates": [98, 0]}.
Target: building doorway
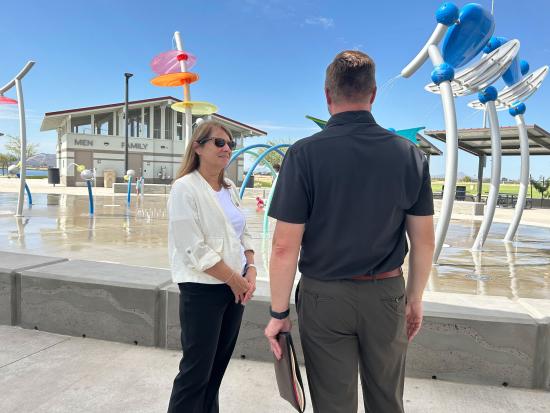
{"type": "Point", "coordinates": [85, 158]}
{"type": "Point", "coordinates": [135, 162]}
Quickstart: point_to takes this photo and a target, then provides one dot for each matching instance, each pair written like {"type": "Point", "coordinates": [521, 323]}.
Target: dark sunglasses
{"type": "Point", "coordinates": [219, 142]}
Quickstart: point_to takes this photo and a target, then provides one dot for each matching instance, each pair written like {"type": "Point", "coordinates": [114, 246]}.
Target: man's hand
{"type": "Point", "coordinates": [421, 237]}
{"type": "Point", "coordinates": [413, 313]}
{"type": "Point", "coordinates": [274, 327]}
{"type": "Point", "coordinates": [287, 239]}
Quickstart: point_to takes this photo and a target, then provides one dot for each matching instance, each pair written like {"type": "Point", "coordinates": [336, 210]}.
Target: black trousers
{"type": "Point", "coordinates": [210, 322]}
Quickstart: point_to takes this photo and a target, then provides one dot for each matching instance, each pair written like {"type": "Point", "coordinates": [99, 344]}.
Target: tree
{"type": "Point", "coordinates": [541, 186]}
{"type": "Point", "coordinates": [13, 147]}
{"type": "Point", "coordinates": [273, 157]}
{"type": "Point", "coordinates": [5, 161]}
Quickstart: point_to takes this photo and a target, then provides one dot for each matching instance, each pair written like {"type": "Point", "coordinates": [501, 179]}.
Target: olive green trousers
{"type": "Point", "coordinates": [352, 328]}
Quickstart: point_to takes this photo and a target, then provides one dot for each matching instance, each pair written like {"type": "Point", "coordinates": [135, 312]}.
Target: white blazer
{"type": "Point", "coordinates": [199, 234]}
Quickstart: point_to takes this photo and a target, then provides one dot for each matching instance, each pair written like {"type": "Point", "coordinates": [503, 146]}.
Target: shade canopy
{"type": "Point", "coordinates": [477, 141]}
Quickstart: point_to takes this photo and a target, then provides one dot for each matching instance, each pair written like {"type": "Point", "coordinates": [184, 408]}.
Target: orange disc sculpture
{"type": "Point", "coordinates": [175, 79]}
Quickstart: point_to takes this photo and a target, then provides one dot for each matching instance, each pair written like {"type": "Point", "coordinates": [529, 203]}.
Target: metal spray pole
{"type": "Point", "coordinates": [186, 94]}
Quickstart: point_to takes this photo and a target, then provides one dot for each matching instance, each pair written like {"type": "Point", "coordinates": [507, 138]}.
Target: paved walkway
{"type": "Point", "coordinates": [43, 372]}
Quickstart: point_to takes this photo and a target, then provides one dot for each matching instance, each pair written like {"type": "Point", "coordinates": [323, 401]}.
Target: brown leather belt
{"type": "Point", "coordinates": [388, 274]}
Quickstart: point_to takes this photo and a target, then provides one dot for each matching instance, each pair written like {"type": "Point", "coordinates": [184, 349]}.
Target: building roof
{"type": "Point", "coordinates": [477, 141]}
{"type": "Point", "coordinates": [427, 147]}
{"type": "Point", "coordinates": [52, 120]}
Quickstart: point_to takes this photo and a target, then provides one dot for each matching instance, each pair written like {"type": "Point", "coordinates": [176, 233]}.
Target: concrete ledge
{"type": "Point", "coordinates": [169, 332]}
{"type": "Point", "coordinates": [95, 299]}
{"type": "Point", "coordinates": [122, 188]}
{"type": "Point", "coordinates": [467, 338]}
{"type": "Point", "coordinates": [476, 339]}
{"type": "Point", "coordinates": [251, 343]}
{"type": "Point", "coordinates": [540, 311]}
{"type": "Point", "coordinates": [10, 265]}
{"type": "Point", "coordinates": [463, 207]}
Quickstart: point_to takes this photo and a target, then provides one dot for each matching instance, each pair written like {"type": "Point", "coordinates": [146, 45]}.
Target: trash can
{"type": "Point", "coordinates": [53, 176]}
{"type": "Point", "coordinates": [460, 193]}
{"type": "Point", "coordinates": [109, 178]}
{"type": "Point", "coordinates": [250, 183]}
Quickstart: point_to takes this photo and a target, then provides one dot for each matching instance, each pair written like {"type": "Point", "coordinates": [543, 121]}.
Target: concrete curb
{"type": "Point", "coordinates": [467, 338]}
{"type": "Point", "coordinates": [11, 264]}
{"type": "Point", "coordinates": [149, 189]}
{"type": "Point", "coordinates": [94, 299]}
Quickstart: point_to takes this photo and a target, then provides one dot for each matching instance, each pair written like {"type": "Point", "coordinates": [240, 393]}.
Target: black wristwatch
{"type": "Point", "coordinates": [279, 316]}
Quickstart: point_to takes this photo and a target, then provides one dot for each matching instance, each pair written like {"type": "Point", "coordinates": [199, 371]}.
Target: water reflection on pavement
{"type": "Point", "coordinates": [59, 225]}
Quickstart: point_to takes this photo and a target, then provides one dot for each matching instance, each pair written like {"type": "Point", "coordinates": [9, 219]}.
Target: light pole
{"type": "Point", "coordinates": [127, 76]}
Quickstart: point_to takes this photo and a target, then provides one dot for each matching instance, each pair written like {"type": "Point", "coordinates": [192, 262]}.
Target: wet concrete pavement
{"type": "Point", "coordinates": [60, 225]}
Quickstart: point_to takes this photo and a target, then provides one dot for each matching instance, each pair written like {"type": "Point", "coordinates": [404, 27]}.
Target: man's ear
{"type": "Point", "coordinates": [373, 95]}
{"type": "Point", "coordinates": [327, 95]}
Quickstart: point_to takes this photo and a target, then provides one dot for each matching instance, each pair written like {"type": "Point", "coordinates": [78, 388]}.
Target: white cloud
{"type": "Point", "coordinates": [12, 113]}
{"type": "Point", "coordinates": [325, 22]}
{"type": "Point", "coordinates": [276, 9]}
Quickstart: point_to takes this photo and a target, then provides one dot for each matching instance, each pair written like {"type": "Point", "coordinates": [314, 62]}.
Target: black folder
{"type": "Point", "coordinates": [287, 372]}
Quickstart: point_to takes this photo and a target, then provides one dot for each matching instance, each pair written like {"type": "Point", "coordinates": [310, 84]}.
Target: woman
{"type": "Point", "coordinates": [213, 262]}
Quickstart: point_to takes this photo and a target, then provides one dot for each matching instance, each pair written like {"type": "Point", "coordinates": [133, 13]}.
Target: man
{"type": "Point", "coordinates": [348, 196]}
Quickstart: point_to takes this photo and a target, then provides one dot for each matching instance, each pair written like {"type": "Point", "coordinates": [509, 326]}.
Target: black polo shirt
{"type": "Point", "coordinates": [352, 185]}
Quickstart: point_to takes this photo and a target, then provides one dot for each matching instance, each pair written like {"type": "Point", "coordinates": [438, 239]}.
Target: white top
{"type": "Point", "coordinates": [234, 215]}
{"type": "Point", "coordinates": [200, 233]}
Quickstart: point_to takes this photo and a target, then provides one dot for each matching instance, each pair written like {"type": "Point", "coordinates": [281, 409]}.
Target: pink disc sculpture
{"type": "Point", "coordinates": [7, 101]}
{"type": "Point", "coordinates": [169, 62]}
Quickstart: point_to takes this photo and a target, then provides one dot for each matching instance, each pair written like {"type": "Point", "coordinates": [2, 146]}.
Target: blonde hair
{"type": "Point", "coordinates": [190, 160]}
{"type": "Point", "coordinates": [350, 76]}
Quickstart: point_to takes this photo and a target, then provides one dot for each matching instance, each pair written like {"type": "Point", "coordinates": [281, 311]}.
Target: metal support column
{"type": "Point", "coordinates": [481, 164]}
{"type": "Point", "coordinates": [16, 81]}
{"type": "Point", "coordinates": [23, 138]}
{"type": "Point", "coordinates": [127, 77]}
{"type": "Point", "coordinates": [187, 95]}
{"type": "Point", "coordinates": [496, 159]}
{"type": "Point", "coordinates": [523, 179]}
{"type": "Point", "coordinates": [451, 163]}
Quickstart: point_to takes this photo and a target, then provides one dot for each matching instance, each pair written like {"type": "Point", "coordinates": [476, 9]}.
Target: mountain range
{"type": "Point", "coordinates": [42, 160]}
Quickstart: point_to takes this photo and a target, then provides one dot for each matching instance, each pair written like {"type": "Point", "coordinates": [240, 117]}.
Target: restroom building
{"type": "Point", "coordinates": [94, 136]}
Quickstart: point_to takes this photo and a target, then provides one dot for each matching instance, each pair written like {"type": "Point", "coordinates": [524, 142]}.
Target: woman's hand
{"type": "Point", "coordinates": [239, 286]}
{"type": "Point", "coordinates": [250, 276]}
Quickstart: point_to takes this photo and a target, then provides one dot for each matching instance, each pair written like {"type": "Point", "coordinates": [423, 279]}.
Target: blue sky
{"type": "Point", "coordinates": [261, 61]}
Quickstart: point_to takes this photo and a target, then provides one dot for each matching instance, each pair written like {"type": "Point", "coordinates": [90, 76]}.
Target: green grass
{"type": "Point", "coordinates": [262, 184]}
{"type": "Point", "coordinates": [471, 188]}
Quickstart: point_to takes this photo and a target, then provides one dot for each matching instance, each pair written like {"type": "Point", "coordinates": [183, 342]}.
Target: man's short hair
{"type": "Point", "coordinates": [350, 77]}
